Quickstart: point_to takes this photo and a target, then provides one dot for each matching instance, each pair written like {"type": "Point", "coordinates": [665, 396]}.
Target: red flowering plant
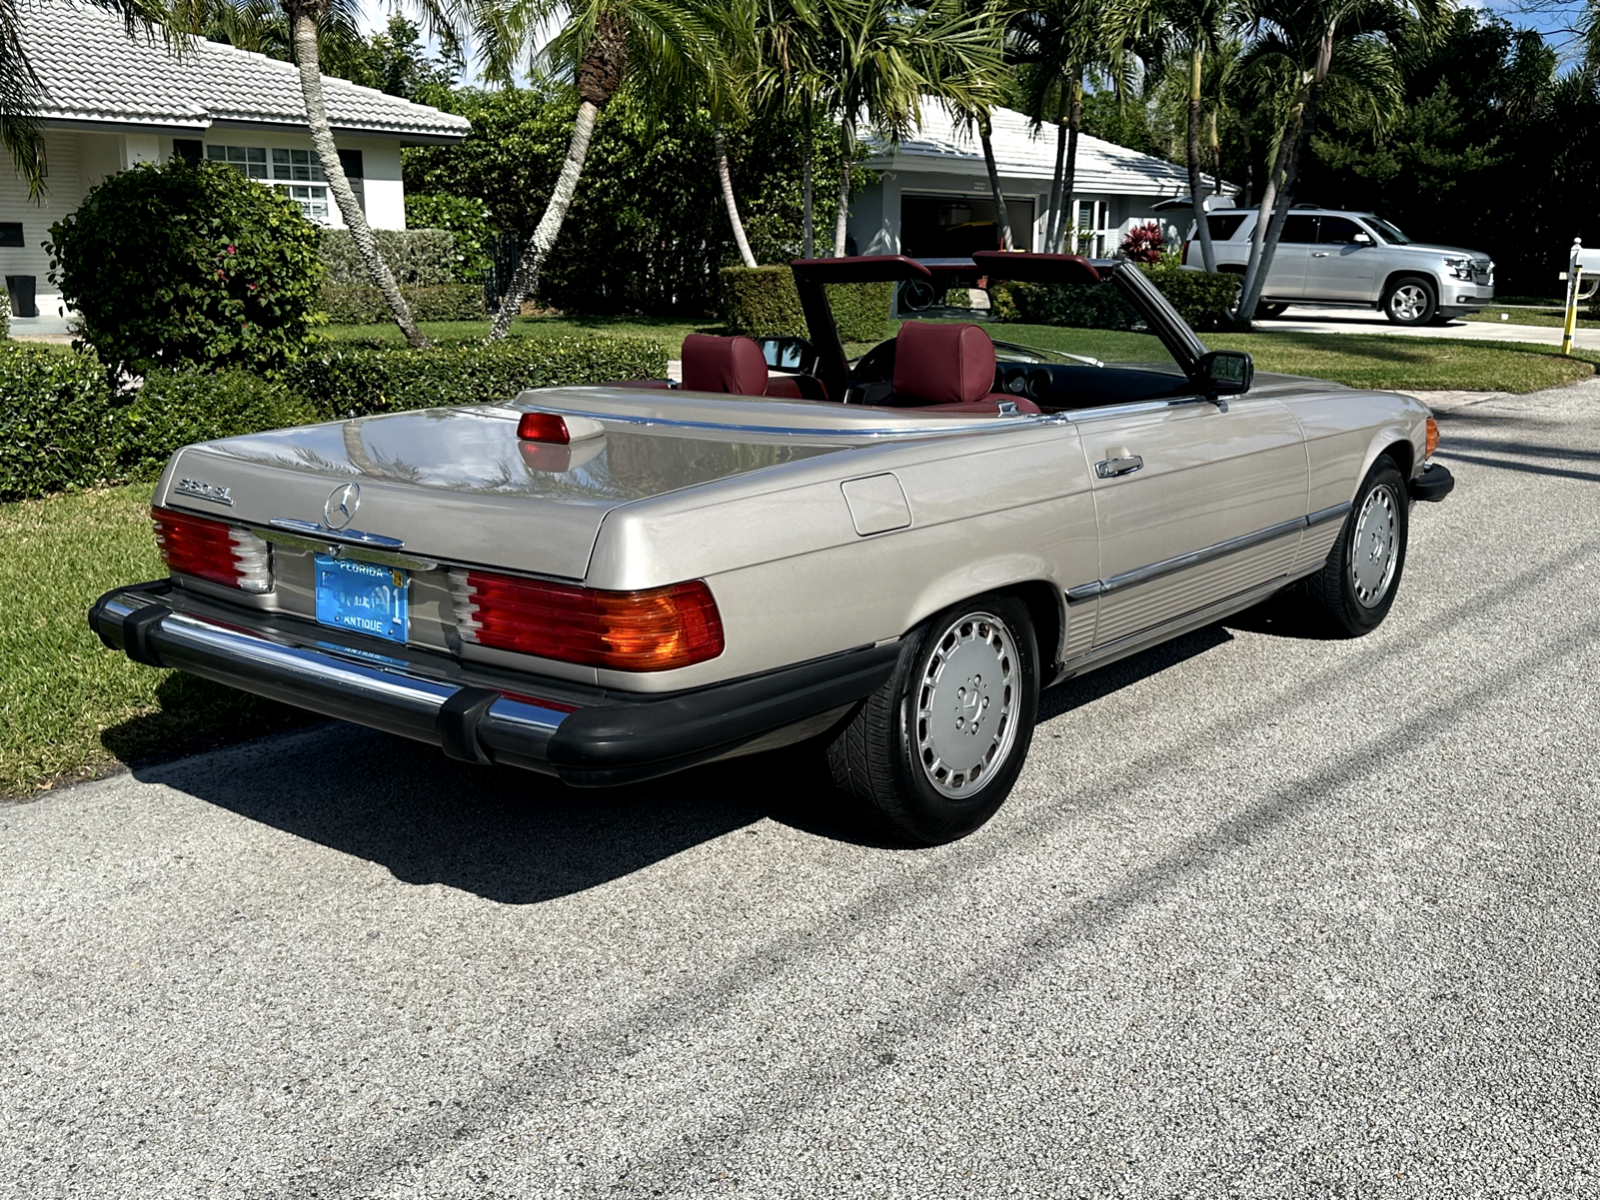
{"type": "Point", "coordinates": [1143, 243]}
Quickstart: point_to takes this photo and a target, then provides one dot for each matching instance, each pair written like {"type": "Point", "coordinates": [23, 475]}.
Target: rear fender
{"type": "Point", "coordinates": [1022, 575]}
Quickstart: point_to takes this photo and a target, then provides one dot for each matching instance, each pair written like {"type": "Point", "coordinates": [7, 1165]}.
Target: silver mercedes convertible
{"type": "Point", "coordinates": [885, 551]}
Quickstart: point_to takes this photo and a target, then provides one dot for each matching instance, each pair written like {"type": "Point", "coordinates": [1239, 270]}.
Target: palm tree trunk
{"type": "Point", "coordinates": [1291, 173]}
{"type": "Point", "coordinates": [1052, 217]}
{"type": "Point", "coordinates": [1069, 177]}
{"type": "Point", "coordinates": [1254, 271]}
{"type": "Point", "coordinates": [1000, 215]}
{"type": "Point", "coordinates": [842, 221]}
{"type": "Point", "coordinates": [599, 75]}
{"type": "Point", "coordinates": [306, 52]}
{"type": "Point", "coordinates": [732, 204]}
{"type": "Point", "coordinates": [1208, 253]}
{"type": "Point", "coordinates": [809, 153]}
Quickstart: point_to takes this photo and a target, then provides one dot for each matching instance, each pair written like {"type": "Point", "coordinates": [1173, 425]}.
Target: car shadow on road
{"type": "Point", "coordinates": [507, 835]}
{"type": "Point", "coordinates": [518, 838]}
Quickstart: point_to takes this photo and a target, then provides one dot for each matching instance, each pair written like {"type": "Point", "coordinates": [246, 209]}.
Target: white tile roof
{"type": "Point", "coordinates": [1020, 153]}
{"type": "Point", "coordinates": [93, 71]}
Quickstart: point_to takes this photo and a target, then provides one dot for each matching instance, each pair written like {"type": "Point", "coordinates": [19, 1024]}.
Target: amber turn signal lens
{"type": "Point", "coordinates": [1433, 438]}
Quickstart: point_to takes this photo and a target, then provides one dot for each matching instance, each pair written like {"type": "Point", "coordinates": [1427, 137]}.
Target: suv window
{"type": "Point", "coordinates": [1299, 230]}
{"type": "Point", "coordinates": [1338, 231]}
{"type": "Point", "coordinates": [1224, 226]}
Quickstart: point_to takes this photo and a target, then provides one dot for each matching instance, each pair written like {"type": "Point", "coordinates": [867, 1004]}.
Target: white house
{"type": "Point", "coordinates": [933, 199]}
{"type": "Point", "coordinates": [113, 100]}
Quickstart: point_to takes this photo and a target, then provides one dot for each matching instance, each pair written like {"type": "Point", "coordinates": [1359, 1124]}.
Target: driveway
{"type": "Point", "coordinates": [1297, 319]}
{"type": "Point", "coordinates": [1267, 916]}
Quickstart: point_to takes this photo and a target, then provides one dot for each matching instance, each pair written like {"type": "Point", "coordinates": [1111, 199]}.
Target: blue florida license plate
{"type": "Point", "coordinates": [361, 597]}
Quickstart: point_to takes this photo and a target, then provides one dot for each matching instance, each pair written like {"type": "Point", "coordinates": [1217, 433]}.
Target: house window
{"type": "Point", "coordinates": [187, 149]}
{"type": "Point", "coordinates": [247, 160]}
{"type": "Point", "coordinates": [296, 172]}
{"type": "Point", "coordinates": [1093, 228]}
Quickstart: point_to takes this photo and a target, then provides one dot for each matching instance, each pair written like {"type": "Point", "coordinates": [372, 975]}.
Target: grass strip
{"type": "Point", "coordinates": [69, 708]}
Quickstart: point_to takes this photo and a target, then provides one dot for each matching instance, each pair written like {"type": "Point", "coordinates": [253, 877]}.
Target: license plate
{"type": "Point", "coordinates": [361, 597]}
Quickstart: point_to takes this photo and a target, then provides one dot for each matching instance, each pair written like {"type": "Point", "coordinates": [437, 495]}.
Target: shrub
{"type": "Point", "coordinates": [1204, 301]}
{"type": "Point", "coordinates": [359, 380]}
{"type": "Point", "coordinates": [467, 220]}
{"type": "Point", "coordinates": [420, 257]}
{"type": "Point", "coordinates": [762, 302]}
{"type": "Point", "coordinates": [1143, 243]}
{"type": "Point", "coordinates": [187, 263]}
{"type": "Point", "coordinates": [366, 306]}
{"type": "Point", "coordinates": [177, 408]}
{"type": "Point", "coordinates": [861, 310]}
{"type": "Point", "coordinates": [56, 421]}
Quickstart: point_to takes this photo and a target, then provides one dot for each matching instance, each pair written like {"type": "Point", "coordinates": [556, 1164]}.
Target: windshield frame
{"type": "Point", "coordinates": [1382, 230]}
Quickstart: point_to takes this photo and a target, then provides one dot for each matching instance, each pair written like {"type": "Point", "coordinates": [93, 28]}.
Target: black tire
{"type": "Point", "coordinates": [884, 759]}
{"type": "Point", "coordinates": [1410, 300]}
{"type": "Point", "coordinates": [1345, 600]}
{"type": "Point", "coordinates": [1268, 311]}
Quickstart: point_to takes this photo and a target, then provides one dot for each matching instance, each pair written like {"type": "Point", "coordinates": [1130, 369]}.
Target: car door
{"type": "Point", "coordinates": [1286, 280]}
{"type": "Point", "coordinates": [1195, 502]}
{"type": "Point", "coordinates": [1338, 267]}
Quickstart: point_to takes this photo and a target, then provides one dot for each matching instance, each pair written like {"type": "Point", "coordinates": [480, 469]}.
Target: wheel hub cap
{"type": "Point", "coordinates": [965, 704]}
{"type": "Point", "coordinates": [1409, 303]}
{"type": "Point", "coordinates": [1372, 549]}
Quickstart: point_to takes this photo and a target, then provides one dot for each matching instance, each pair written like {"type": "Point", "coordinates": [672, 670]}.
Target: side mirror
{"type": "Point", "coordinates": [789, 354]}
{"type": "Point", "coordinates": [1362, 239]}
{"type": "Point", "coordinates": [1227, 372]}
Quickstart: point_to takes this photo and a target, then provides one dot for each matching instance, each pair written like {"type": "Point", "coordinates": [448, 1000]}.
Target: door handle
{"type": "Point", "coordinates": [1322, 254]}
{"type": "Point", "coordinates": [1112, 467]}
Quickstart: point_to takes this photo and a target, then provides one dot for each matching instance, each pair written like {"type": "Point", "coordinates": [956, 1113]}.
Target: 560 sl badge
{"type": "Point", "coordinates": [201, 490]}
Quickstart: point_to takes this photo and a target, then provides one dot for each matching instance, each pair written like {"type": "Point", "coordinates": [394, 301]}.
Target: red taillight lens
{"type": "Point", "coordinates": [212, 550]}
{"type": "Point", "coordinates": [652, 630]}
{"type": "Point", "coordinates": [543, 427]}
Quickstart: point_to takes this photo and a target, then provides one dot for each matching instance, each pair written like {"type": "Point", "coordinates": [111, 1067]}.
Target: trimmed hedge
{"type": "Point", "coordinates": [1204, 301]}
{"type": "Point", "coordinates": [178, 408]}
{"type": "Point", "coordinates": [57, 423]}
{"type": "Point", "coordinates": [360, 380]}
{"type": "Point", "coordinates": [61, 426]}
{"type": "Point", "coordinates": [420, 257]}
{"type": "Point", "coordinates": [763, 302]}
{"type": "Point", "coordinates": [366, 306]}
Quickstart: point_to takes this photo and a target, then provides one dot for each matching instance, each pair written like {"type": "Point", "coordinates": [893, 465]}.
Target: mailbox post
{"type": "Point", "coordinates": [1580, 263]}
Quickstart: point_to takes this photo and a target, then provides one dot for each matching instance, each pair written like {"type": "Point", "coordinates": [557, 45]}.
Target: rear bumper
{"type": "Point", "coordinates": [614, 739]}
{"type": "Point", "coordinates": [1435, 483]}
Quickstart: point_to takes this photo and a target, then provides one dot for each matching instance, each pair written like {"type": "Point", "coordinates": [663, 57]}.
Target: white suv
{"type": "Point", "coordinates": [1336, 259]}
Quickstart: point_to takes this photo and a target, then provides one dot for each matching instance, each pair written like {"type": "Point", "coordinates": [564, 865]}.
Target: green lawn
{"type": "Point", "coordinates": [1543, 315]}
{"type": "Point", "coordinates": [69, 708]}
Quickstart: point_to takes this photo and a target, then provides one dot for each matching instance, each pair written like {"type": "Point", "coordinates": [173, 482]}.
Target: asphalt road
{"type": "Point", "coordinates": [1267, 917]}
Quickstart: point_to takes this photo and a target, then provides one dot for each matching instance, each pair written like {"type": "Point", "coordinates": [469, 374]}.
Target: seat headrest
{"type": "Point", "coordinates": [943, 364]}
{"type": "Point", "coordinates": [723, 364]}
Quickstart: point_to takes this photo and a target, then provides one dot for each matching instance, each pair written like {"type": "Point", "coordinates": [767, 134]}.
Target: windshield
{"type": "Point", "coordinates": [1388, 232]}
{"type": "Point", "coordinates": [1083, 323]}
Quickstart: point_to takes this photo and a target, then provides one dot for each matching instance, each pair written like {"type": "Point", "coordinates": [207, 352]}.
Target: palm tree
{"type": "Point", "coordinates": [668, 44]}
{"type": "Point", "coordinates": [793, 77]}
{"type": "Point", "coordinates": [1317, 52]}
{"type": "Point", "coordinates": [886, 57]}
{"type": "Point", "coordinates": [21, 92]}
{"type": "Point", "coordinates": [261, 22]}
{"type": "Point", "coordinates": [1196, 29]}
{"type": "Point", "coordinates": [1059, 44]}
{"type": "Point", "coordinates": [976, 116]}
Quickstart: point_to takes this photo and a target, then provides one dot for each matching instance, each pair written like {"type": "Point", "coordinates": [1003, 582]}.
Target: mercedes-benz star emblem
{"type": "Point", "coordinates": [341, 505]}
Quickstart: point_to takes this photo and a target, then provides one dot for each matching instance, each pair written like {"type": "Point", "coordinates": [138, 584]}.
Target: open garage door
{"type": "Point", "coordinates": [934, 226]}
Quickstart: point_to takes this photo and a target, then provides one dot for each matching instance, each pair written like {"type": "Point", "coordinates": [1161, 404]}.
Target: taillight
{"type": "Point", "coordinates": [1432, 442]}
{"type": "Point", "coordinates": [656, 629]}
{"type": "Point", "coordinates": [543, 427]}
{"type": "Point", "coordinates": [212, 550]}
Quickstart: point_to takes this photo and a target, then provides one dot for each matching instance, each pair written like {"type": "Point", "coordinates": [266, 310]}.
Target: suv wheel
{"type": "Point", "coordinates": [1410, 301]}
{"type": "Point", "coordinates": [1268, 311]}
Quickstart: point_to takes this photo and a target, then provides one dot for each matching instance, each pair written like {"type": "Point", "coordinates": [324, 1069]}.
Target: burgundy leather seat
{"type": "Point", "coordinates": [949, 368]}
{"type": "Point", "coordinates": [723, 364]}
